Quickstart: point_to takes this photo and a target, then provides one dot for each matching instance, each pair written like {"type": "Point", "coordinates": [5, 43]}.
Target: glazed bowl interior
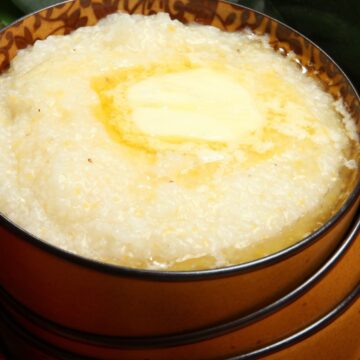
{"type": "Point", "coordinates": [70, 15]}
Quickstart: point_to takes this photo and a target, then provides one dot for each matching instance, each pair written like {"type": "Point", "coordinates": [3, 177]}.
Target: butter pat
{"type": "Point", "coordinates": [197, 104]}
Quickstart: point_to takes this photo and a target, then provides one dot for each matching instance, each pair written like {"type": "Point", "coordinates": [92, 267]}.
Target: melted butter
{"type": "Point", "coordinates": [164, 107]}
{"type": "Point", "coordinates": [200, 104]}
{"type": "Point", "coordinates": [187, 110]}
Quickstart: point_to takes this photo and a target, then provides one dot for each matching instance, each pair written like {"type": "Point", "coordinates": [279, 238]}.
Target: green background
{"type": "Point", "coordinates": [332, 24]}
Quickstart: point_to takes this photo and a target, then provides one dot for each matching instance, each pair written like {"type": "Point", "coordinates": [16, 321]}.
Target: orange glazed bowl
{"type": "Point", "coordinates": [87, 300]}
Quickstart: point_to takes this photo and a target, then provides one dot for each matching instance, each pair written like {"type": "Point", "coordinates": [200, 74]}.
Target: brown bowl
{"type": "Point", "coordinates": [279, 332]}
{"type": "Point", "coordinates": [141, 306]}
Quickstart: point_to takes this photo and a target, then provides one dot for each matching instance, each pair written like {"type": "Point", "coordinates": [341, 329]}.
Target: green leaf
{"type": "Point", "coordinates": [28, 6]}
{"type": "Point", "coordinates": [8, 12]}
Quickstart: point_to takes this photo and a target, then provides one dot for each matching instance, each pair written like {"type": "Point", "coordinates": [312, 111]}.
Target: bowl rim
{"type": "Point", "coordinates": [191, 275]}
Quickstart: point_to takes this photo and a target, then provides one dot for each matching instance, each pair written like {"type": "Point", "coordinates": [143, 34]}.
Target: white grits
{"type": "Point", "coordinates": [69, 178]}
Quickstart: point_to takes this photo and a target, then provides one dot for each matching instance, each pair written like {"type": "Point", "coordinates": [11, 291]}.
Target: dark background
{"type": "Point", "coordinates": [332, 24]}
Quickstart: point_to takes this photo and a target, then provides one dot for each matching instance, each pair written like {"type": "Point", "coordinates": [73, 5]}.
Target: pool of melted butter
{"type": "Point", "coordinates": [167, 107]}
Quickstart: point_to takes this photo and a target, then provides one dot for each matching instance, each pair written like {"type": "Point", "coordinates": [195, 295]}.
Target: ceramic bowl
{"type": "Point", "coordinates": [139, 306]}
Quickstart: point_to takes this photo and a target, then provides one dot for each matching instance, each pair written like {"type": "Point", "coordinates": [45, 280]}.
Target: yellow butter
{"type": "Point", "coordinates": [199, 104]}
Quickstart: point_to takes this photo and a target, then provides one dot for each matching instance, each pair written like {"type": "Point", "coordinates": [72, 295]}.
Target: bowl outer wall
{"type": "Point", "coordinates": [337, 282]}
{"type": "Point", "coordinates": [91, 297]}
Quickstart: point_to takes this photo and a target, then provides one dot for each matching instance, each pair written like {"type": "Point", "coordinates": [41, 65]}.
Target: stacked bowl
{"type": "Point", "coordinates": [55, 304]}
